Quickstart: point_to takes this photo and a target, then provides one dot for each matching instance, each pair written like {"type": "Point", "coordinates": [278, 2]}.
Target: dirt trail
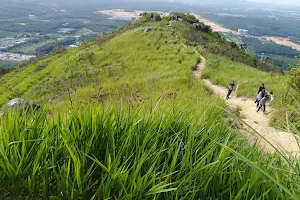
{"type": "Point", "coordinates": [256, 121]}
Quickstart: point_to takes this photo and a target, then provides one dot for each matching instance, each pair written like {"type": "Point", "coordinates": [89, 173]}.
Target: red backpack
{"type": "Point", "coordinates": [263, 91]}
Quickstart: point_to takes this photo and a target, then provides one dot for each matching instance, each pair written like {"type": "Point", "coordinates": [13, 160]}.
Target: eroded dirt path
{"type": "Point", "coordinates": [255, 121]}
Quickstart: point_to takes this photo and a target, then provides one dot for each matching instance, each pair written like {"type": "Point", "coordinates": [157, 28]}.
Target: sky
{"type": "Point", "coordinates": [284, 2]}
{"type": "Point", "coordinates": [271, 2]}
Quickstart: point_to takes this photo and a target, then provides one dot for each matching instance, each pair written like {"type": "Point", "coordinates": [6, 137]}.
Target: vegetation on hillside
{"type": "Point", "coordinates": [74, 73]}
{"type": "Point", "coordinates": [213, 42]}
{"type": "Point", "coordinates": [5, 70]}
{"type": "Point", "coordinates": [265, 50]}
{"type": "Point", "coordinates": [292, 98]}
{"type": "Point", "coordinates": [279, 55]}
{"type": "Point", "coordinates": [271, 48]}
{"type": "Point", "coordinates": [123, 118]}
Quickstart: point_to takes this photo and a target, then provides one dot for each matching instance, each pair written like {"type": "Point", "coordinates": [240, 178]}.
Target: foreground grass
{"type": "Point", "coordinates": [124, 153]}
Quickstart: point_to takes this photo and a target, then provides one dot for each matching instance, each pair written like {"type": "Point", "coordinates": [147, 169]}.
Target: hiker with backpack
{"type": "Point", "coordinates": [230, 89]}
{"type": "Point", "coordinates": [260, 95]}
{"type": "Point", "coordinates": [262, 103]}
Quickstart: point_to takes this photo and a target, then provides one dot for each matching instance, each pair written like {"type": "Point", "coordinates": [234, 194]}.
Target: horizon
{"type": "Point", "coordinates": [195, 2]}
{"type": "Point", "coordinates": [286, 2]}
{"type": "Point", "coordinates": [257, 2]}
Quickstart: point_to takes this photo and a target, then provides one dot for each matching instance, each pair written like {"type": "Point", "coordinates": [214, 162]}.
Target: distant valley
{"type": "Point", "coordinates": [277, 39]}
{"type": "Point", "coordinates": [41, 27]}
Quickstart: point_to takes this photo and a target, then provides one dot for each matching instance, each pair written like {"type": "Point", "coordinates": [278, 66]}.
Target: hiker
{"type": "Point", "coordinates": [260, 95]}
{"type": "Point", "coordinates": [272, 98]}
{"type": "Point", "coordinates": [261, 88]}
{"type": "Point", "coordinates": [230, 89]}
{"type": "Point", "coordinates": [262, 103]}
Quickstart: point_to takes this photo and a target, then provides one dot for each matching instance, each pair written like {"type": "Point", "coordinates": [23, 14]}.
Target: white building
{"type": "Point", "coordinates": [243, 32]}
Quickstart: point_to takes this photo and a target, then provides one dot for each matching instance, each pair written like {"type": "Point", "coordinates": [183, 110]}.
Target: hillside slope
{"type": "Point", "coordinates": [128, 62]}
{"type": "Point", "coordinates": [96, 68]}
{"type": "Point", "coordinates": [123, 118]}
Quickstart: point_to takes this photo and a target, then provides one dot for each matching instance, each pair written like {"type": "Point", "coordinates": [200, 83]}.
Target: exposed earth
{"type": "Point", "coordinates": [283, 41]}
{"type": "Point", "coordinates": [214, 26]}
{"type": "Point", "coordinates": [120, 13]}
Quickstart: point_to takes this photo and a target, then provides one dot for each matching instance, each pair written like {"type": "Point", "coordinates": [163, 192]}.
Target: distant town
{"type": "Point", "coordinates": [11, 41]}
{"type": "Point", "coordinates": [15, 56]}
{"type": "Point", "coordinates": [122, 15]}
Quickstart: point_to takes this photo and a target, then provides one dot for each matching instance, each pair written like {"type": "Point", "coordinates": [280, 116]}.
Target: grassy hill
{"type": "Point", "coordinates": [123, 118]}
{"type": "Point", "coordinates": [134, 55]}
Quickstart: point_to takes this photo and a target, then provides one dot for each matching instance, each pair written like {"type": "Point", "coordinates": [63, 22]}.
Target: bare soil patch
{"type": "Point", "coordinates": [214, 26]}
{"type": "Point", "coordinates": [283, 41]}
{"type": "Point", "coordinates": [119, 13]}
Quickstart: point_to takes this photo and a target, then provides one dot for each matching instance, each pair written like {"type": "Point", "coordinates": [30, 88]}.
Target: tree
{"type": "Point", "coordinates": [243, 46]}
{"type": "Point", "coordinates": [147, 17]}
{"type": "Point", "coordinates": [59, 50]}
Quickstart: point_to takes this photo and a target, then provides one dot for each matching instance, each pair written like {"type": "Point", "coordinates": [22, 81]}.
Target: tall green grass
{"type": "Point", "coordinates": [124, 153]}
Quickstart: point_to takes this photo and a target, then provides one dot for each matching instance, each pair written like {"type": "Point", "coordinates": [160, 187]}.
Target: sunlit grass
{"type": "Point", "coordinates": [141, 153]}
